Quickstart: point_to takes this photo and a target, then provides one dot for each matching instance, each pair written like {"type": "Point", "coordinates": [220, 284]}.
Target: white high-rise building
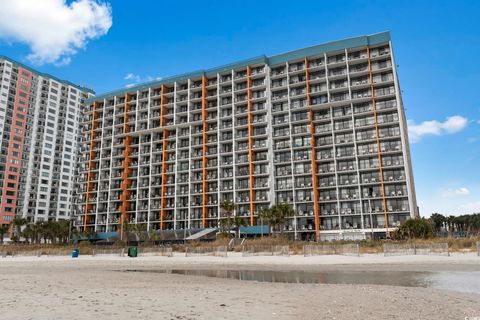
{"type": "Point", "coordinates": [321, 128]}
{"type": "Point", "coordinates": [39, 126]}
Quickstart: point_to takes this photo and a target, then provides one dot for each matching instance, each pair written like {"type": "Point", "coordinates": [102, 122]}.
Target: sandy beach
{"type": "Point", "coordinates": [99, 288]}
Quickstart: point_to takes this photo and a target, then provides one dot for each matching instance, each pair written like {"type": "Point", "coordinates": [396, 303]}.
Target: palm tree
{"type": "Point", "coordinates": [18, 223]}
{"type": "Point", "coordinates": [276, 215]}
{"type": "Point", "coordinates": [475, 224]}
{"type": "Point", "coordinates": [451, 221]}
{"type": "Point", "coordinates": [63, 230]}
{"type": "Point", "coordinates": [76, 235]}
{"type": "Point", "coordinates": [51, 231]}
{"type": "Point", "coordinates": [3, 230]}
{"type": "Point", "coordinates": [238, 222]}
{"type": "Point", "coordinates": [438, 221]}
{"type": "Point", "coordinates": [226, 220]}
{"type": "Point", "coordinates": [43, 230]}
{"type": "Point", "coordinates": [32, 231]}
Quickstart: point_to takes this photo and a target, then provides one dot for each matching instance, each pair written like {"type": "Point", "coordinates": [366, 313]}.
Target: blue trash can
{"type": "Point", "coordinates": [75, 253]}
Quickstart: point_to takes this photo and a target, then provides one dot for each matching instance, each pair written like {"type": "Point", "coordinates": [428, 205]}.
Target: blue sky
{"type": "Point", "coordinates": [436, 46]}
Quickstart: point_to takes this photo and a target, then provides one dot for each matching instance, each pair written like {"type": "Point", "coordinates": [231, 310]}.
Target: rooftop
{"type": "Point", "coordinates": [46, 75]}
{"type": "Point", "coordinates": [369, 40]}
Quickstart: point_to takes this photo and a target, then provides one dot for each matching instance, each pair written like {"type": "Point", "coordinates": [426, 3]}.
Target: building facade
{"type": "Point", "coordinates": [40, 133]}
{"type": "Point", "coordinates": [320, 128]}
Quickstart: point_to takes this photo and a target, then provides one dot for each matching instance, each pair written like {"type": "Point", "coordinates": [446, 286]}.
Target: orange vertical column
{"type": "Point", "coordinates": [313, 155]}
{"type": "Point", "coordinates": [126, 182]}
{"type": "Point", "coordinates": [374, 107]}
{"type": "Point", "coordinates": [205, 149]}
{"type": "Point", "coordinates": [250, 145]}
{"type": "Point", "coordinates": [163, 97]}
{"type": "Point", "coordinates": [88, 206]}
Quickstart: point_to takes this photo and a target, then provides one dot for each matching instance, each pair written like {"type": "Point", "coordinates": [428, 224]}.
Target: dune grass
{"type": "Point", "coordinates": [296, 247]}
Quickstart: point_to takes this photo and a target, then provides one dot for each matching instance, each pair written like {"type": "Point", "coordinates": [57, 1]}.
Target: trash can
{"type": "Point", "coordinates": [75, 253]}
{"type": "Point", "coordinates": [132, 252]}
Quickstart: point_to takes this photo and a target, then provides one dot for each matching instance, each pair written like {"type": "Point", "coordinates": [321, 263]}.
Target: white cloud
{"type": "Point", "coordinates": [132, 76]}
{"type": "Point", "coordinates": [53, 29]}
{"type": "Point", "coordinates": [463, 191]}
{"type": "Point", "coordinates": [451, 125]}
{"type": "Point", "coordinates": [138, 79]}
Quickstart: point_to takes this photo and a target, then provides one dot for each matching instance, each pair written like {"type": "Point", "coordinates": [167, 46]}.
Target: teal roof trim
{"type": "Point", "coordinates": [46, 75]}
{"type": "Point", "coordinates": [181, 77]}
{"type": "Point", "coordinates": [237, 65]}
{"type": "Point", "coordinates": [105, 235]}
{"type": "Point", "coordinates": [255, 230]}
{"type": "Point", "coordinates": [369, 40]}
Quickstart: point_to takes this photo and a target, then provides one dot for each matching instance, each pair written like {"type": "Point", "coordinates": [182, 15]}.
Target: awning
{"type": "Point", "coordinates": [255, 230]}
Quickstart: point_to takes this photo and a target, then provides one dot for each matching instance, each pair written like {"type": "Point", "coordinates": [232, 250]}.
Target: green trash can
{"type": "Point", "coordinates": [75, 253]}
{"type": "Point", "coordinates": [132, 252]}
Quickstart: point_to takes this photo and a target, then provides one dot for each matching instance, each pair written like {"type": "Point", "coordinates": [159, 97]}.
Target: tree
{"type": "Point", "coordinates": [474, 225]}
{"type": "Point", "coordinates": [152, 236]}
{"type": "Point", "coordinates": [276, 215]}
{"type": "Point", "coordinates": [127, 228]}
{"type": "Point", "coordinates": [52, 231]}
{"type": "Point", "coordinates": [469, 224]}
{"type": "Point", "coordinates": [32, 232]}
{"type": "Point", "coordinates": [140, 232]}
{"type": "Point", "coordinates": [76, 235]}
{"type": "Point", "coordinates": [418, 228]}
{"type": "Point", "coordinates": [237, 223]}
{"type": "Point", "coordinates": [18, 223]}
{"type": "Point", "coordinates": [3, 230]}
{"type": "Point", "coordinates": [451, 225]}
{"type": "Point", "coordinates": [226, 219]}
{"type": "Point", "coordinates": [438, 221]}
{"type": "Point", "coordinates": [65, 230]}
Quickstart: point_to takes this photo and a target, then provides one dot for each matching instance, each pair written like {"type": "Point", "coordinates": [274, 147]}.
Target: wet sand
{"type": "Point", "coordinates": [98, 288]}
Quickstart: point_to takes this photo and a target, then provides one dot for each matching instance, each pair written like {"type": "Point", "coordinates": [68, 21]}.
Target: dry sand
{"type": "Point", "coordinates": [96, 288]}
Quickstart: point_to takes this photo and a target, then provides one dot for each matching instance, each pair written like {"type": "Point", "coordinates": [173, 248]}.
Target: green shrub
{"type": "Point", "coordinates": [418, 228]}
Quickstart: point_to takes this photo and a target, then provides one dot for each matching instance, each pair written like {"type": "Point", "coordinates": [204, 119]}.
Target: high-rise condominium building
{"type": "Point", "coordinates": [39, 126]}
{"type": "Point", "coordinates": [321, 128]}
